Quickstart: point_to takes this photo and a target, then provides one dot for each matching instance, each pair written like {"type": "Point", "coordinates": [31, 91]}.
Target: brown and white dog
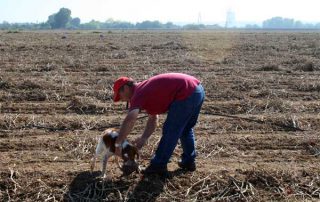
{"type": "Point", "coordinates": [106, 146]}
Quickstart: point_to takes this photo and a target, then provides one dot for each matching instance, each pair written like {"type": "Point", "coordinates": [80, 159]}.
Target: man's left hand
{"type": "Point", "coordinates": [140, 142]}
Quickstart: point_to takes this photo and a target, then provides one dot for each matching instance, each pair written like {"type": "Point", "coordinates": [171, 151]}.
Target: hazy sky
{"type": "Point", "coordinates": [162, 10]}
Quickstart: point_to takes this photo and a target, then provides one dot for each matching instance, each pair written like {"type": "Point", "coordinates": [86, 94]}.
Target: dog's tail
{"type": "Point", "coordinates": [99, 149]}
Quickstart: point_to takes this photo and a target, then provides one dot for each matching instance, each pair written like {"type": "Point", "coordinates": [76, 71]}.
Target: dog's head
{"type": "Point", "coordinates": [130, 153]}
{"type": "Point", "coordinates": [130, 156]}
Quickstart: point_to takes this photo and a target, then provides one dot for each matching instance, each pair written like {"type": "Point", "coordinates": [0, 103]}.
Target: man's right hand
{"type": "Point", "coordinates": [139, 142]}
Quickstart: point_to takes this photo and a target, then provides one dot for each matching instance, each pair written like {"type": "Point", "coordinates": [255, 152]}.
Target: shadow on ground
{"type": "Point", "coordinates": [88, 186]}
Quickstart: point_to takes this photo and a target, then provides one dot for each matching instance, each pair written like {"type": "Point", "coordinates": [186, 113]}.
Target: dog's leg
{"type": "Point", "coordinates": [93, 163]}
{"type": "Point", "coordinates": [104, 164]}
{"type": "Point", "coordinates": [138, 170]}
{"type": "Point", "coordinates": [99, 149]}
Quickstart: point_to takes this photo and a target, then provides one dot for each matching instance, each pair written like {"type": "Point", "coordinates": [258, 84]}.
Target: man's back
{"type": "Point", "coordinates": [157, 93]}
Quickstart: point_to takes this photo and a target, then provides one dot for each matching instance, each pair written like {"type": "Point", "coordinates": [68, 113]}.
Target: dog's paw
{"type": "Point", "coordinates": [92, 168]}
{"type": "Point", "coordinates": [105, 177]}
{"type": "Point", "coordinates": [139, 169]}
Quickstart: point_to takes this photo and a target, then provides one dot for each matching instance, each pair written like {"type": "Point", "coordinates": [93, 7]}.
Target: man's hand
{"type": "Point", "coordinates": [127, 125]}
{"type": "Point", "coordinates": [125, 129]}
{"type": "Point", "coordinates": [139, 142]}
{"type": "Point", "coordinates": [150, 127]}
{"type": "Point", "coordinates": [118, 151]}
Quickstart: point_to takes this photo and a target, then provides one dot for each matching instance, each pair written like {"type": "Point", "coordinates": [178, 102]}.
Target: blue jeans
{"type": "Point", "coordinates": [182, 117]}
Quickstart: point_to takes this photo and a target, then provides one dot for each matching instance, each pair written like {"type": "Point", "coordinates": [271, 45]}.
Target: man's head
{"type": "Point", "coordinates": [122, 89]}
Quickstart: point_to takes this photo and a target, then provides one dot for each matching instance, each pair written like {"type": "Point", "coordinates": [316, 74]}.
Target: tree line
{"type": "Point", "coordinates": [63, 20]}
{"type": "Point", "coordinates": [285, 23]}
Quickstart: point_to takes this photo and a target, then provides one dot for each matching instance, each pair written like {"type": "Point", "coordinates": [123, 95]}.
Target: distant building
{"type": "Point", "coordinates": [199, 18]}
{"type": "Point", "coordinates": [231, 19]}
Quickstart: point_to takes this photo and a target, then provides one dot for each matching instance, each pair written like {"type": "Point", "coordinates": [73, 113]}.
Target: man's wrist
{"type": "Point", "coordinates": [144, 139]}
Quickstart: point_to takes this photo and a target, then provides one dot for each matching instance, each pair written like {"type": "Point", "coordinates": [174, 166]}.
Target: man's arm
{"type": "Point", "coordinates": [127, 125]}
{"type": "Point", "coordinates": [150, 128]}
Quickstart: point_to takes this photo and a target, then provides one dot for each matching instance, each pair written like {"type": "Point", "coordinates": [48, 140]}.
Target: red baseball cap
{"type": "Point", "coordinates": [117, 85]}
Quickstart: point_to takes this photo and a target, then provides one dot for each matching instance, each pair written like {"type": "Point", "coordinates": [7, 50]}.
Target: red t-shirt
{"type": "Point", "coordinates": [157, 93]}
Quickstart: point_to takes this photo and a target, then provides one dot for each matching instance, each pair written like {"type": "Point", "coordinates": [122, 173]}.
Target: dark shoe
{"type": "Point", "coordinates": [154, 169]}
{"type": "Point", "coordinates": [188, 166]}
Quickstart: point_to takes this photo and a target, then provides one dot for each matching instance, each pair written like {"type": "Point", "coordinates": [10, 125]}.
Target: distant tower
{"type": "Point", "coordinates": [231, 19]}
{"type": "Point", "coordinates": [199, 19]}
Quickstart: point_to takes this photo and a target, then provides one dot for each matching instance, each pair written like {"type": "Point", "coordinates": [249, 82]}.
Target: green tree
{"type": "Point", "coordinates": [170, 25]}
{"type": "Point", "coordinates": [75, 22]}
{"type": "Point", "coordinates": [149, 25]}
{"type": "Point", "coordinates": [194, 26]}
{"type": "Point", "coordinates": [91, 25]}
{"type": "Point", "coordinates": [44, 25]}
{"type": "Point", "coordinates": [51, 21]}
{"type": "Point", "coordinates": [62, 18]}
{"type": "Point", "coordinates": [278, 23]}
{"type": "Point", "coordinates": [5, 25]}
